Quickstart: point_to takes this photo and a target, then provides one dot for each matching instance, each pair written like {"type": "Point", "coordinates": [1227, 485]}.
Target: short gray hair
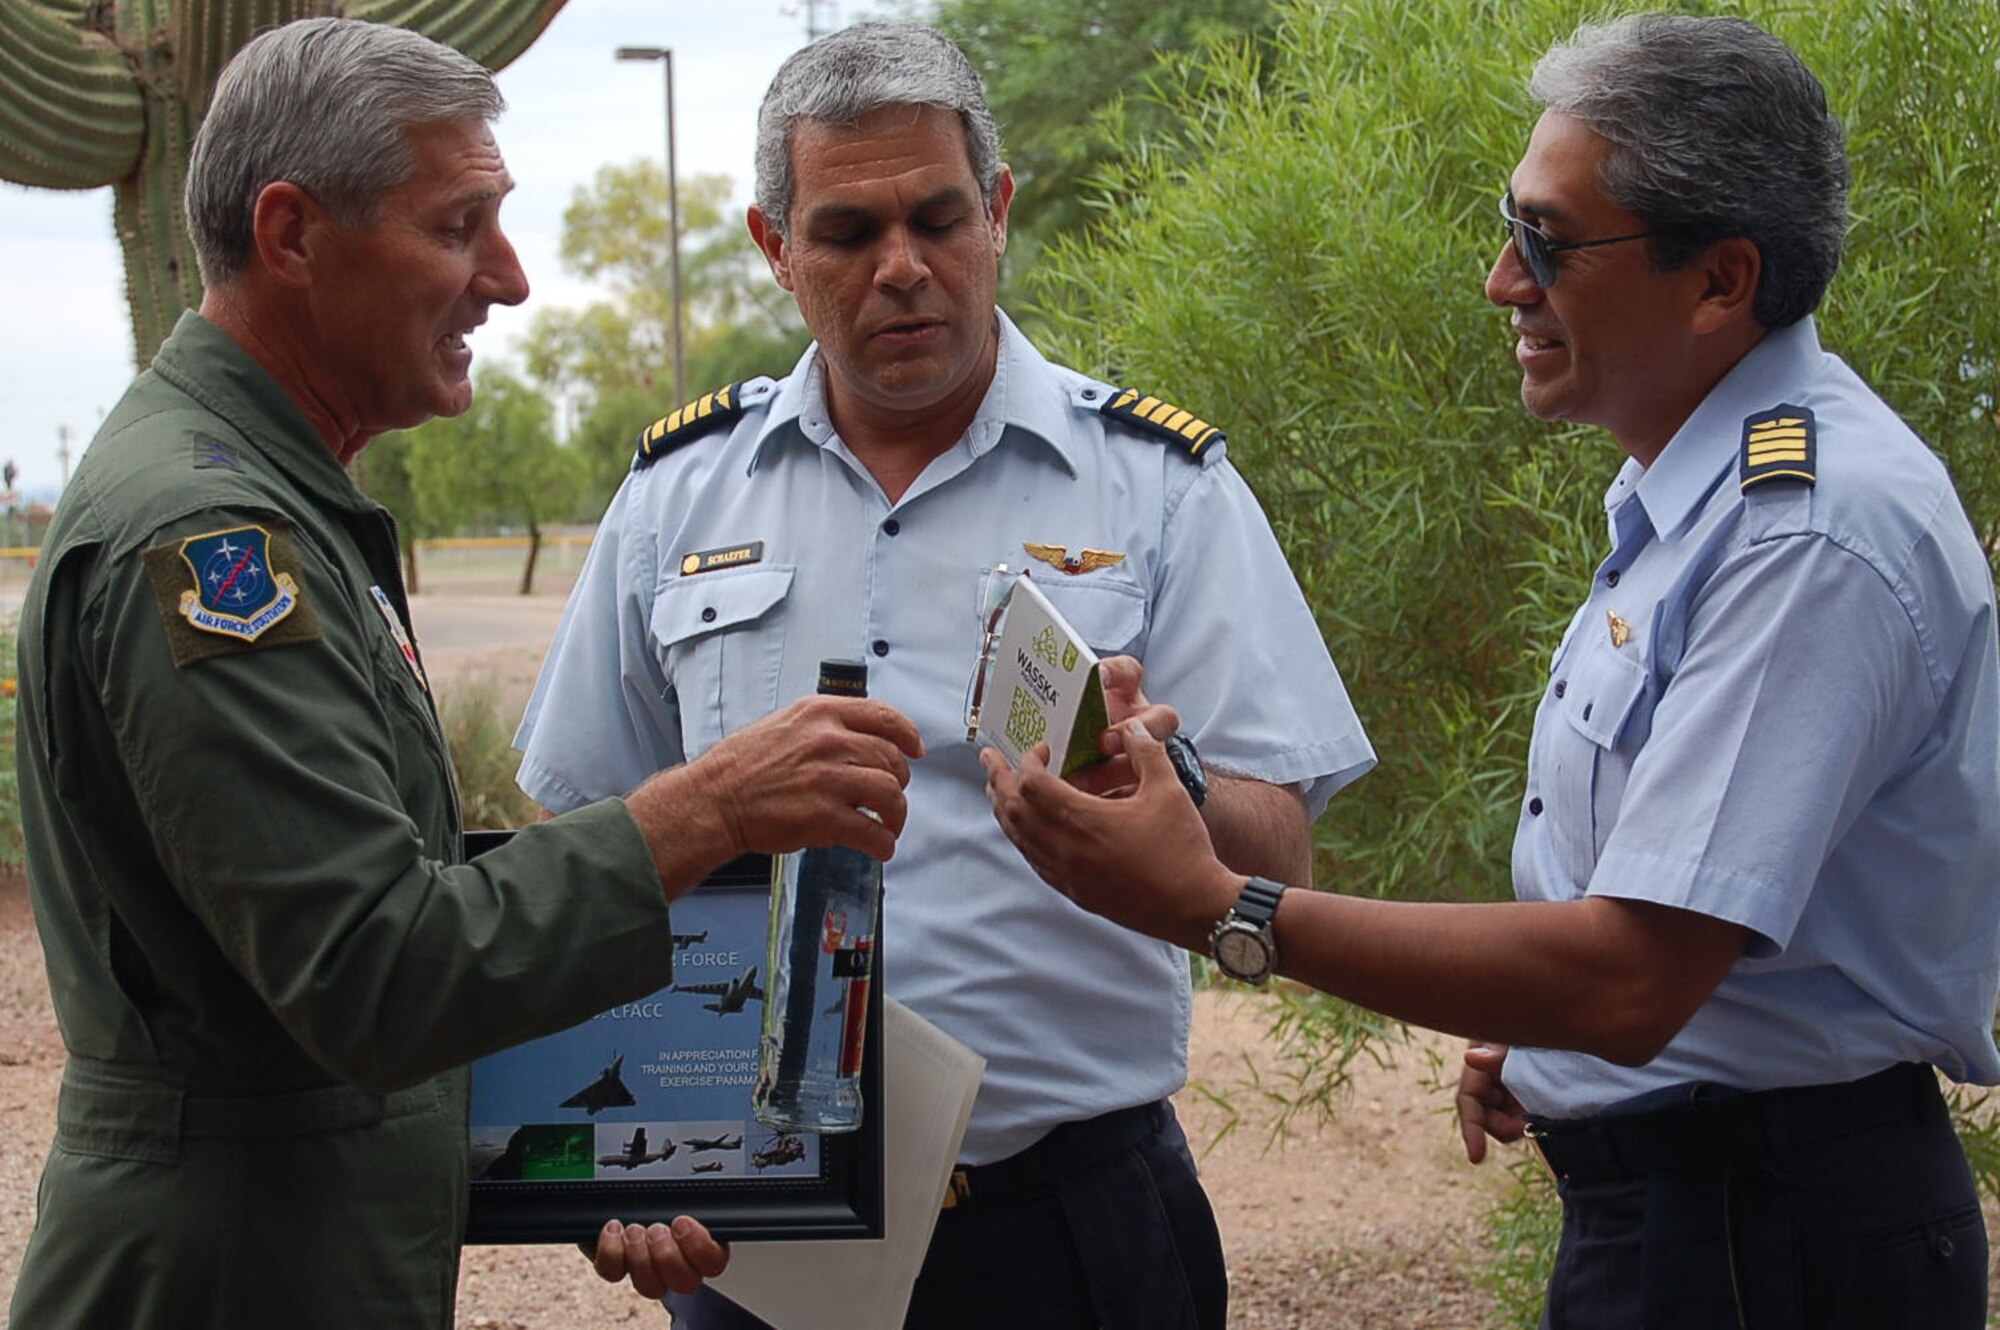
{"type": "Point", "coordinates": [1717, 130]}
{"type": "Point", "coordinates": [842, 77]}
{"type": "Point", "coordinates": [321, 103]}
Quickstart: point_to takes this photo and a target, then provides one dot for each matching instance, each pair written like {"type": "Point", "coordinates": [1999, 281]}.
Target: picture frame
{"type": "Point", "coordinates": [643, 1112]}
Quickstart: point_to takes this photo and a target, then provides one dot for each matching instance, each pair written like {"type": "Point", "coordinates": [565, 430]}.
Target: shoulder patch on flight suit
{"type": "Point", "coordinates": [1152, 416]}
{"type": "Point", "coordinates": [1778, 444]}
{"type": "Point", "coordinates": [230, 591]}
{"type": "Point", "coordinates": [688, 423]}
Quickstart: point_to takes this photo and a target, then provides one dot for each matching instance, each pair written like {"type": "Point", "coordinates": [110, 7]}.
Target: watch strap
{"type": "Point", "coordinates": [1258, 902]}
{"type": "Point", "coordinates": [1251, 917]}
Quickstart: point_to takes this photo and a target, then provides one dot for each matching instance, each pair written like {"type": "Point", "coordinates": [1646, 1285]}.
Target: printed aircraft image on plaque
{"type": "Point", "coordinates": [643, 1111]}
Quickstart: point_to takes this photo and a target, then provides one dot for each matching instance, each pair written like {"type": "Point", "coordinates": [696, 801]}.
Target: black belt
{"type": "Point", "coordinates": [1712, 1124]}
{"type": "Point", "coordinates": [1067, 1150]}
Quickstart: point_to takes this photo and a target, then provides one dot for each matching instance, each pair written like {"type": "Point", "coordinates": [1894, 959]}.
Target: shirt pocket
{"type": "Point", "coordinates": [1109, 615]}
{"type": "Point", "coordinates": [721, 641]}
{"type": "Point", "coordinates": [1600, 690]}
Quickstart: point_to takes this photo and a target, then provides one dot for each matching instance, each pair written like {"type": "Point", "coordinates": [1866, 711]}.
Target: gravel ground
{"type": "Point", "coordinates": [1369, 1224]}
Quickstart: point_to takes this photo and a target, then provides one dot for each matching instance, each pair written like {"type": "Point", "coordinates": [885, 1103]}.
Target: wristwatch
{"type": "Point", "coordinates": [1187, 765]}
{"type": "Point", "coordinates": [1242, 945]}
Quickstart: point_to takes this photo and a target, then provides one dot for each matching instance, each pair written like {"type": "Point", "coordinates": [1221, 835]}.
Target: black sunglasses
{"type": "Point", "coordinates": [1538, 251]}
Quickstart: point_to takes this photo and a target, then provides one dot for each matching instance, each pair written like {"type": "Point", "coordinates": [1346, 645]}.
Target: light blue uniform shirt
{"type": "Point", "coordinates": [1800, 734]}
{"type": "Point", "coordinates": [1075, 1016]}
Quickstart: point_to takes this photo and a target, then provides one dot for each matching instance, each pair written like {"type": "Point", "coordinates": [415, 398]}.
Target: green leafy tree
{"type": "Point", "coordinates": [1298, 255]}
{"type": "Point", "coordinates": [1058, 77]}
{"type": "Point", "coordinates": [382, 470]}
{"type": "Point", "coordinates": [614, 358]}
{"type": "Point", "coordinates": [604, 440]}
{"type": "Point", "coordinates": [736, 320]}
{"type": "Point", "coordinates": [496, 465]}
{"type": "Point", "coordinates": [111, 92]}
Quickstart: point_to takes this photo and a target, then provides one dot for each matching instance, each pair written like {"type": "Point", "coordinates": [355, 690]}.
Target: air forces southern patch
{"type": "Point", "coordinates": [1164, 419]}
{"type": "Point", "coordinates": [229, 591]}
{"type": "Point", "coordinates": [1778, 444]}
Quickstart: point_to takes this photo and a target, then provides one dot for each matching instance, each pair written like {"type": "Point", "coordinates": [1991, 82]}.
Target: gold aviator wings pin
{"type": "Point", "coordinates": [1059, 558]}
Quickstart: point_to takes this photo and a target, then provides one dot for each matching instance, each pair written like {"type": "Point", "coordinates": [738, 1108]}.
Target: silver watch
{"type": "Point", "coordinates": [1243, 945]}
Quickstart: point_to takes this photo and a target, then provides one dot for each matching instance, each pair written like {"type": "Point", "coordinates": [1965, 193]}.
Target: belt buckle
{"type": "Point", "coordinates": [958, 1189]}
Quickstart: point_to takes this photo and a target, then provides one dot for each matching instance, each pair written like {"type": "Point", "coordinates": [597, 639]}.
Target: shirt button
{"type": "Point", "coordinates": [1562, 686]}
{"type": "Point", "coordinates": [708, 614]}
{"type": "Point", "coordinates": [893, 527]}
{"type": "Point", "coordinates": [1586, 709]}
{"type": "Point", "coordinates": [1535, 806]}
{"type": "Point", "coordinates": [880, 648]}
{"type": "Point", "coordinates": [1611, 578]}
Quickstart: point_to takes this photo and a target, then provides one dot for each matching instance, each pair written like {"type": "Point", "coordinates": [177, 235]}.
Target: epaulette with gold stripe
{"type": "Point", "coordinates": [692, 421]}
{"type": "Point", "coordinates": [1164, 419]}
{"type": "Point", "coordinates": [1778, 444]}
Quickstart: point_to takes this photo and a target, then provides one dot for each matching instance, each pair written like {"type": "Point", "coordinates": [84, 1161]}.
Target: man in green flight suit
{"type": "Point", "coordinates": [268, 958]}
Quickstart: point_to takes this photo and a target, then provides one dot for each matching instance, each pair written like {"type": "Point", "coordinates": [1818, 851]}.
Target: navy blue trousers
{"type": "Point", "coordinates": [1122, 1241]}
{"type": "Point", "coordinates": [1874, 1230]}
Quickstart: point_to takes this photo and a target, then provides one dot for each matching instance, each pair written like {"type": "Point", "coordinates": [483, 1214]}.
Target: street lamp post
{"type": "Point", "coordinates": [665, 55]}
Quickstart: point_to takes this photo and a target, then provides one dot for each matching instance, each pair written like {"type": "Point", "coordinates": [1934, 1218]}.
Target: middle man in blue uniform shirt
{"type": "Point", "coordinates": [858, 507]}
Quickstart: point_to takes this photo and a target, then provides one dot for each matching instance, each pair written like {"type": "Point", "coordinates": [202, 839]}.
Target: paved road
{"type": "Point", "coordinates": [448, 624]}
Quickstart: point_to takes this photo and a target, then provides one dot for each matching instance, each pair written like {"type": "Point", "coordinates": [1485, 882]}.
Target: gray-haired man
{"type": "Point", "coordinates": [1757, 858]}
{"type": "Point", "coordinates": [267, 955]}
{"type": "Point", "coordinates": [919, 443]}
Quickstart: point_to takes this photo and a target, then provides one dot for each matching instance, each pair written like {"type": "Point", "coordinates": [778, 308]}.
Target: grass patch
{"type": "Point", "coordinates": [480, 731]}
{"type": "Point", "coordinates": [1521, 1233]}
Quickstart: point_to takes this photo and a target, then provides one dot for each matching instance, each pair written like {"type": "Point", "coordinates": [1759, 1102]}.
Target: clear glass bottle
{"type": "Point", "coordinates": [825, 904]}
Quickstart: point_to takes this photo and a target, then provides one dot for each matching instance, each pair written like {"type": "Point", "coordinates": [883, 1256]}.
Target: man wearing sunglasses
{"type": "Point", "coordinates": [1757, 853]}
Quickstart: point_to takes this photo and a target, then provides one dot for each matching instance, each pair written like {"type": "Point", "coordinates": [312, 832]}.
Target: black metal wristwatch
{"type": "Point", "coordinates": [1243, 945]}
{"type": "Point", "coordinates": [1187, 765]}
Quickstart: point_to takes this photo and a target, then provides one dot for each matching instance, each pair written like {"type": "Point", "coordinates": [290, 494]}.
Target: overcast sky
{"type": "Point", "coordinates": [65, 339]}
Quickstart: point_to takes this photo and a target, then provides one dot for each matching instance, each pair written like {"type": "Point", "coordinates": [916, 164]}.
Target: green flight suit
{"type": "Point", "coordinates": [269, 962]}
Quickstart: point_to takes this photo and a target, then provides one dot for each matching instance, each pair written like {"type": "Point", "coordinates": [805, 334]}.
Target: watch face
{"type": "Point", "coordinates": [1241, 951]}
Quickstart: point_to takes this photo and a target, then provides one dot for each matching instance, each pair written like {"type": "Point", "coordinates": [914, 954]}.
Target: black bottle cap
{"type": "Point", "coordinates": [843, 678]}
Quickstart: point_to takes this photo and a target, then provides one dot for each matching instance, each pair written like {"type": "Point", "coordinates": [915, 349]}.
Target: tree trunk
{"type": "Point", "coordinates": [534, 553]}
{"type": "Point", "coordinates": [410, 567]}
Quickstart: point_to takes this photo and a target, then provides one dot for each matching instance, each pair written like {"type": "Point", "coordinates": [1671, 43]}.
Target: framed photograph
{"type": "Point", "coordinates": [643, 1112]}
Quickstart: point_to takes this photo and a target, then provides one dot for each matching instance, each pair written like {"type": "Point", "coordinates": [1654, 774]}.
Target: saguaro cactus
{"type": "Point", "coordinates": [110, 92]}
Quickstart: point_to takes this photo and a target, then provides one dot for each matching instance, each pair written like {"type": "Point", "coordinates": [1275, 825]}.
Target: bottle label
{"type": "Point", "coordinates": [853, 962]}
{"type": "Point", "coordinates": [854, 1023]}
{"type": "Point", "coordinates": [833, 931]}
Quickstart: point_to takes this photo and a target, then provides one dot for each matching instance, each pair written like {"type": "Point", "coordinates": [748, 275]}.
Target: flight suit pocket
{"type": "Point", "coordinates": [1599, 689]}
{"type": "Point", "coordinates": [721, 638]}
